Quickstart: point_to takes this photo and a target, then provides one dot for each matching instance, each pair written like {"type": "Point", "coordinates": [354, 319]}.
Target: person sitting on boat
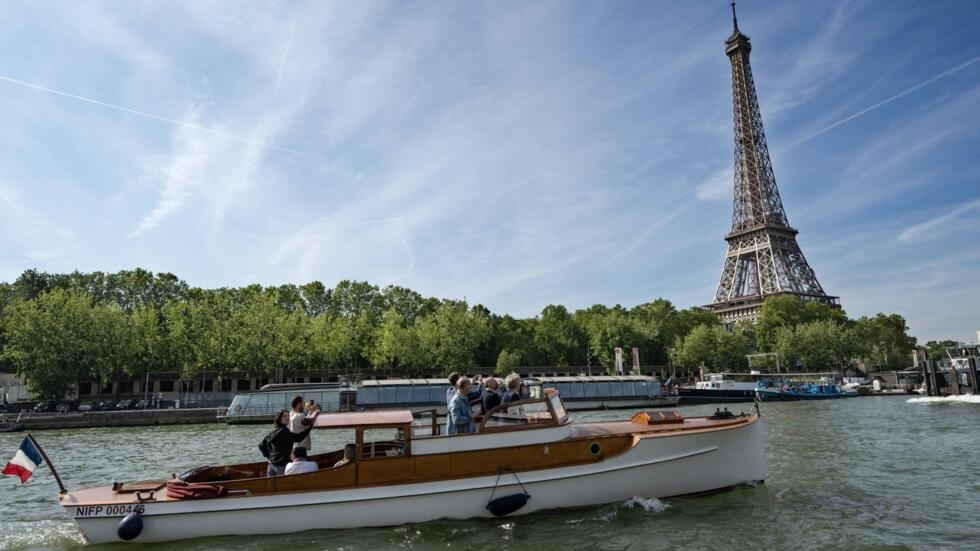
{"type": "Point", "coordinates": [300, 462]}
{"type": "Point", "coordinates": [513, 393]}
{"type": "Point", "coordinates": [459, 419]}
{"type": "Point", "coordinates": [491, 395]}
{"type": "Point", "coordinates": [298, 421]}
{"type": "Point", "coordinates": [277, 446]}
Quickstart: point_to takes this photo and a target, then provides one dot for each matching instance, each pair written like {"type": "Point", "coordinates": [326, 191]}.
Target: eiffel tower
{"type": "Point", "coordinates": [763, 257]}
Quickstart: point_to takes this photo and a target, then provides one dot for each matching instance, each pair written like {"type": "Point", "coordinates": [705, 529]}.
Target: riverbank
{"type": "Point", "coordinates": [127, 418]}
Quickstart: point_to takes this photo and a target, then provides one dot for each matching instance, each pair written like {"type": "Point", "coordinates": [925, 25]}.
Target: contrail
{"type": "Point", "coordinates": [150, 116]}
{"type": "Point", "coordinates": [889, 100]}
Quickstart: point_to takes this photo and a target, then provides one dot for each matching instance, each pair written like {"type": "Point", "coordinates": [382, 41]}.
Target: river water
{"type": "Point", "coordinates": [858, 473]}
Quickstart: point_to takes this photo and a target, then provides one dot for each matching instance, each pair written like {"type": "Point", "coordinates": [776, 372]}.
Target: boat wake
{"type": "Point", "coordinates": [650, 505]}
{"type": "Point", "coordinates": [962, 399]}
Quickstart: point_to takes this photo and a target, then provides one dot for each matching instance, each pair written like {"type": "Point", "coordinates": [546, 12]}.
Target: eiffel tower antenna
{"type": "Point", "coordinates": [763, 257]}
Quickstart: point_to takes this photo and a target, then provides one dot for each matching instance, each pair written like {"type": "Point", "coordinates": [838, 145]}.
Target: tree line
{"type": "Point", "coordinates": [59, 329]}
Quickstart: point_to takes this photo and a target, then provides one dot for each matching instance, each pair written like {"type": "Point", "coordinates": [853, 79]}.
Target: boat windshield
{"type": "Point", "coordinates": [524, 412]}
{"type": "Point", "coordinates": [558, 407]}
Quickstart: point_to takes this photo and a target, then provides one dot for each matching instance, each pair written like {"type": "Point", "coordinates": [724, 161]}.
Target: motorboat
{"type": "Point", "coordinates": [524, 456]}
{"type": "Point", "coordinates": [799, 391]}
{"type": "Point", "coordinates": [721, 388]}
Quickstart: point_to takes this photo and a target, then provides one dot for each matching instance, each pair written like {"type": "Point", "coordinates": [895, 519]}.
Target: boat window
{"type": "Point", "coordinates": [603, 389]}
{"type": "Point", "coordinates": [367, 395]}
{"type": "Point", "coordinates": [387, 395]}
{"type": "Point", "coordinates": [403, 394]}
{"type": "Point", "coordinates": [437, 394]}
{"type": "Point", "coordinates": [382, 442]}
{"type": "Point", "coordinates": [239, 406]}
{"type": "Point", "coordinates": [616, 387]}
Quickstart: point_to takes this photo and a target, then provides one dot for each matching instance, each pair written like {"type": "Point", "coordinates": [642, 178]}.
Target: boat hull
{"type": "Point", "coordinates": [690, 396]}
{"type": "Point", "coordinates": [655, 466]}
{"type": "Point", "coordinates": [770, 395]}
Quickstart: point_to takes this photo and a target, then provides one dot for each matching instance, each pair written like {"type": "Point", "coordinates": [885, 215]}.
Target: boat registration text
{"type": "Point", "coordinates": [90, 511]}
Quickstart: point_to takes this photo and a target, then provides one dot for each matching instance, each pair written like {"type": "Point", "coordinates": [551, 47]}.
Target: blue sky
{"type": "Point", "coordinates": [515, 154]}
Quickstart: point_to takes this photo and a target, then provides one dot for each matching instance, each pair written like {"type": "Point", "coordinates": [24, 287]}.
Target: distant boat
{"type": "Point", "coordinates": [792, 391]}
{"type": "Point", "coordinates": [719, 388]}
{"type": "Point", "coordinates": [583, 393]}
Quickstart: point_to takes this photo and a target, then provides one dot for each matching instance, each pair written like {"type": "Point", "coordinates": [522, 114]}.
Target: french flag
{"type": "Point", "coordinates": [25, 461]}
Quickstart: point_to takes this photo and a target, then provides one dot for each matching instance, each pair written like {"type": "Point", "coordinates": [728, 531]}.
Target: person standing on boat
{"type": "Point", "coordinates": [277, 446]}
{"type": "Point", "coordinates": [474, 394]}
{"type": "Point", "coordinates": [513, 393]}
{"type": "Point", "coordinates": [459, 419]}
{"type": "Point", "coordinates": [298, 421]}
{"type": "Point", "coordinates": [491, 395]}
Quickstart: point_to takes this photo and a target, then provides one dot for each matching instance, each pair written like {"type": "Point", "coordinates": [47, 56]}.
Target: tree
{"type": "Point", "coordinates": [936, 350]}
{"type": "Point", "coordinates": [394, 344]}
{"type": "Point", "coordinates": [558, 337]}
{"type": "Point", "coordinates": [884, 342]}
{"type": "Point", "coordinates": [450, 337]}
{"type": "Point", "coordinates": [789, 311]}
{"type": "Point", "coordinates": [713, 347]}
{"type": "Point", "coordinates": [608, 329]}
{"type": "Point", "coordinates": [507, 362]}
{"type": "Point", "coordinates": [689, 318]}
{"type": "Point", "coordinates": [50, 341]}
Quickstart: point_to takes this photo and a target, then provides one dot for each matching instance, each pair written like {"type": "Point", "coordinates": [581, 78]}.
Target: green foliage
{"type": "Point", "coordinates": [558, 337]}
{"type": "Point", "coordinates": [52, 340]}
{"type": "Point", "coordinates": [936, 350]}
{"type": "Point", "coordinates": [818, 345]}
{"type": "Point", "coordinates": [714, 347]}
{"type": "Point", "coordinates": [789, 311]}
{"type": "Point", "coordinates": [507, 362]}
{"type": "Point", "coordinates": [449, 337]}
{"type": "Point", "coordinates": [884, 342]}
{"type": "Point", "coordinates": [58, 329]}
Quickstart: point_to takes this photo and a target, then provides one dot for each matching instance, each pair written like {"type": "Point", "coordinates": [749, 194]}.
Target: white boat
{"type": "Point", "coordinates": [850, 385]}
{"type": "Point", "coordinates": [526, 456]}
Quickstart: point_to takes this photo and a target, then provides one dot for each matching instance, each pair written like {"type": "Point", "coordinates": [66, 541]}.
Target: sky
{"type": "Point", "coordinates": [513, 154]}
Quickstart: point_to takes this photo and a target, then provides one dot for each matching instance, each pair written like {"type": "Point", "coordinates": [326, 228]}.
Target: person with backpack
{"type": "Point", "coordinates": [277, 446]}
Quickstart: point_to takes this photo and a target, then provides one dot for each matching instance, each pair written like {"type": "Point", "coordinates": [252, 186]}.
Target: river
{"type": "Point", "coordinates": [857, 473]}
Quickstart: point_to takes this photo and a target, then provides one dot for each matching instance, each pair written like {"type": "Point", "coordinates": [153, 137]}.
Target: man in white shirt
{"type": "Point", "coordinates": [300, 464]}
{"type": "Point", "coordinates": [298, 421]}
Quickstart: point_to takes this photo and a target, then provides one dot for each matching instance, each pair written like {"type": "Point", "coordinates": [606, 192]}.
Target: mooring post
{"type": "Point", "coordinates": [954, 380]}
{"type": "Point", "coordinates": [971, 373]}
{"type": "Point", "coordinates": [930, 372]}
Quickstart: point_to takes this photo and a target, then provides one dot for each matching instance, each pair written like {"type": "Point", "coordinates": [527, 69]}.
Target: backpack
{"type": "Point", "coordinates": [264, 444]}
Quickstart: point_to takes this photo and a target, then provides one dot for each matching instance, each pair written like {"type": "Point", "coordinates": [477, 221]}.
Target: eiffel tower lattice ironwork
{"type": "Point", "coordinates": [763, 257]}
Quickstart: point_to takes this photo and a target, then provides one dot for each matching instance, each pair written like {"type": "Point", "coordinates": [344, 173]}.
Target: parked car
{"type": "Point", "coordinates": [141, 404]}
{"type": "Point", "coordinates": [44, 407]}
{"type": "Point", "coordinates": [88, 406]}
{"type": "Point", "coordinates": [63, 408]}
{"type": "Point", "coordinates": [106, 405]}
{"type": "Point", "coordinates": [125, 404]}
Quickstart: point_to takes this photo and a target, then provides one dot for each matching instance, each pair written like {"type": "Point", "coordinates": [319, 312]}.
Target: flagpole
{"type": "Point", "coordinates": [50, 464]}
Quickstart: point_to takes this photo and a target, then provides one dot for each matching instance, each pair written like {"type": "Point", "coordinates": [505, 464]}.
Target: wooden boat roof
{"type": "Point", "coordinates": [363, 419]}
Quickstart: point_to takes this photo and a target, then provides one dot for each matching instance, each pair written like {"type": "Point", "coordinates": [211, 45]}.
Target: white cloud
{"type": "Point", "coordinates": [954, 221]}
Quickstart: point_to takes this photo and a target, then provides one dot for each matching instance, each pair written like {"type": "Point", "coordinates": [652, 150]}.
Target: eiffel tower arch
{"type": "Point", "coordinates": [763, 256]}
